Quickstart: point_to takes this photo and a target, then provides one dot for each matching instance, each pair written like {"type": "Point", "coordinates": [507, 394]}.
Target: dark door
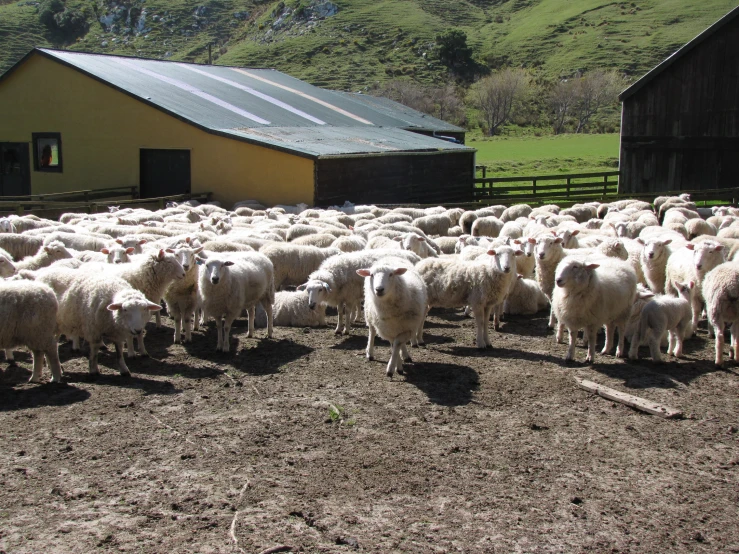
{"type": "Point", "coordinates": [164, 172]}
{"type": "Point", "coordinates": [15, 171]}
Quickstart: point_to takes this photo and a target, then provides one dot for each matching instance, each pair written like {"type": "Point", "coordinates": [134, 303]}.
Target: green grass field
{"type": "Point", "coordinates": [551, 155]}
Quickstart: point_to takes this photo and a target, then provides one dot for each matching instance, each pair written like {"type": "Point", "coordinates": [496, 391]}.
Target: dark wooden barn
{"type": "Point", "coordinates": [680, 122]}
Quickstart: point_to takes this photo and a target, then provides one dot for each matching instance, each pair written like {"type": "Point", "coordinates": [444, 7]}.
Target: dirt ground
{"type": "Point", "coordinates": [299, 442]}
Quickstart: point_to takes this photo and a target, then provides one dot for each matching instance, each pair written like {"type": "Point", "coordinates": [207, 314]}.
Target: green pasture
{"type": "Point", "coordinates": [547, 155]}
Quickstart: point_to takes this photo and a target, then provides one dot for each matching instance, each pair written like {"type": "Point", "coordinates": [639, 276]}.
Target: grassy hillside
{"type": "Point", "coordinates": [367, 42]}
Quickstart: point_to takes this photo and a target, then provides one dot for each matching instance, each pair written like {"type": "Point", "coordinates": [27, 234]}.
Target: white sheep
{"type": "Point", "coordinates": [28, 311]}
{"type": "Point", "coordinates": [692, 263]}
{"type": "Point", "coordinates": [525, 298]}
{"type": "Point", "coordinates": [664, 314]}
{"type": "Point", "coordinates": [697, 227]}
{"type": "Point", "coordinates": [395, 301]}
{"type": "Point", "coordinates": [547, 255]}
{"type": "Point", "coordinates": [47, 255]}
{"type": "Point", "coordinates": [7, 267]}
{"type": "Point", "coordinates": [527, 263]}
{"type": "Point", "coordinates": [654, 258]}
{"type": "Point", "coordinates": [721, 291]}
{"type": "Point", "coordinates": [437, 224]}
{"type": "Point", "coordinates": [320, 240]}
{"type": "Point", "coordinates": [514, 212]}
{"type": "Point", "coordinates": [181, 296]}
{"type": "Point", "coordinates": [352, 243]}
{"type": "Point", "coordinates": [481, 285]}
{"type": "Point", "coordinates": [337, 284]}
{"type": "Point", "coordinates": [97, 305]}
{"type": "Point", "coordinates": [487, 227]}
{"type": "Point", "coordinates": [423, 248]}
{"type": "Point", "coordinates": [78, 241]}
{"type": "Point", "coordinates": [291, 309]}
{"type": "Point", "coordinates": [20, 246]}
{"type": "Point", "coordinates": [114, 254]}
{"type": "Point", "coordinates": [590, 295]}
{"type": "Point", "coordinates": [293, 263]}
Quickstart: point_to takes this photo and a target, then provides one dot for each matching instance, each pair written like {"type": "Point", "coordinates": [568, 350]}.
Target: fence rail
{"type": "Point", "coordinates": [86, 195]}
{"type": "Point", "coordinates": [598, 186]}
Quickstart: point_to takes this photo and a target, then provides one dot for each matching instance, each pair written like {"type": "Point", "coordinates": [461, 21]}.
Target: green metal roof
{"type": "Point", "coordinates": [265, 107]}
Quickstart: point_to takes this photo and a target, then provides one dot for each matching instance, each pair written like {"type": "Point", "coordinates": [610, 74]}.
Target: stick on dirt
{"type": "Point", "coordinates": [279, 548]}
{"type": "Point", "coordinates": [630, 400]}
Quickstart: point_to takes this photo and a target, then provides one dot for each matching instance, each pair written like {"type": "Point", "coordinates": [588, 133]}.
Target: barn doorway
{"type": "Point", "coordinates": [164, 172]}
{"type": "Point", "coordinates": [15, 169]}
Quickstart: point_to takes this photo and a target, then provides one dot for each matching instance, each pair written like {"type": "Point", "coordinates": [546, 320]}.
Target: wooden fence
{"type": "Point", "coordinates": [560, 189]}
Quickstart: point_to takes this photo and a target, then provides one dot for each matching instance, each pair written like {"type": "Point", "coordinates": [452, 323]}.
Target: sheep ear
{"type": "Point", "coordinates": [532, 240]}
{"type": "Point", "coordinates": [170, 250]}
{"type": "Point", "coordinates": [119, 241]}
{"type": "Point", "coordinates": [363, 272]}
{"type": "Point", "coordinates": [114, 307]}
{"type": "Point", "coordinates": [668, 241]}
{"type": "Point", "coordinates": [491, 252]}
{"type": "Point", "coordinates": [518, 253]}
{"type": "Point", "coordinates": [161, 255]}
{"type": "Point", "coordinates": [143, 241]}
{"type": "Point", "coordinates": [400, 271]}
{"type": "Point", "coordinates": [719, 248]}
{"type": "Point", "coordinates": [640, 241]}
{"type": "Point", "coordinates": [519, 275]}
{"type": "Point", "coordinates": [301, 287]}
{"type": "Point", "coordinates": [421, 239]}
{"type": "Point", "coordinates": [47, 249]}
{"type": "Point", "coordinates": [592, 266]}
{"type": "Point", "coordinates": [153, 307]}
{"type": "Point", "coordinates": [105, 251]}
{"type": "Point", "coordinates": [398, 239]}
{"type": "Point", "coordinates": [351, 227]}
{"type": "Point", "coordinates": [228, 263]}
{"type": "Point", "coordinates": [198, 250]}
{"type": "Point", "coordinates": [575, 232]}
{"type": "Point", "coordinates": [558, 240]}
{"type": "Point", "coordinates": [130, 250]}
{"type": "Point", "coordinates": [554, 233]}
{"type": "Point", "coordinates": [516, 241]}
{"type": "Point", "coordinates": [690, 246]}
{"type": "Point", "coordinates": [691, 284]}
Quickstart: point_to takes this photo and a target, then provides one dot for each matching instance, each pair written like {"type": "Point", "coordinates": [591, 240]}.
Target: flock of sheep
{"type": "Point", "coordinates": [645, 270]}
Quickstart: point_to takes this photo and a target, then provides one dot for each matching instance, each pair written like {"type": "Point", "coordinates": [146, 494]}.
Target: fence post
{"type": "Point", "coordinates": [569, 181]}
{"type": "Point", "coordinates": [605, 185]}
{"type": "Point", "coordinates": [533, 188]}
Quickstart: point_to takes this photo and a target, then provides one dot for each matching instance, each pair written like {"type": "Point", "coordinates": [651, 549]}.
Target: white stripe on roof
{"type": "Point", "coordinates": [192, 90]}
{"type": "Point", "coordinates": [256, 93]}
{"type": "Point", "coordinates": [304, 95]}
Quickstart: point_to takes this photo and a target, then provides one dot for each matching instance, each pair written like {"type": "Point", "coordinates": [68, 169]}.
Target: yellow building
{"type": "Point", "coordinates": [77, 121]}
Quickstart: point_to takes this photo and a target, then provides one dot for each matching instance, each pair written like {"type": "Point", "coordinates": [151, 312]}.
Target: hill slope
{"type": "Point", "coordinates": [351, 44]}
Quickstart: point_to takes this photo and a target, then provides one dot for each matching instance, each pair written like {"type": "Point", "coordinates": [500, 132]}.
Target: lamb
{"type": "Point", "coordinates": [481, 285]}
{"type": "Point", "coordinates": [337, 284]}
{"type": "Point", "coordinates": [50, 253]}
{"type": "Point", "coordinates": [291, 310]}
{"type": "Point", "coordinates": [395, 302]}
{"type": "Point", "coordinates": [114, 254]}
{"type": "Point", "coordinates": [32, 308]}
{"type": "Point", "coordinates": [20, 246]}
{"type": "Point", "coordinates": [525, 298]}
{"type": "Point", "coordinates": [181, 296]}
{"type": "Point", "coordinates": [654, 258]}
{"type": "Point", "coordinates": [100, 305]}
{"type": "Point", "coordinates": [527, 263]}
{"type": "Point", "coordinates": [548, 254]}
{"type": "Point", "coordinates": [231, 284]}
{"type": "Point", "coordinates": [664, 313]}
{"type": "Point", "coordinates": [692, 263]}
{"type": "Point", "coordinates": [418, 245]}
{"type": "Point", "coordinates": [294, 263]}
{"type": "Point", "coordinates": [590, 295]}
{"type": "Point", "coordinates": [721, 291]}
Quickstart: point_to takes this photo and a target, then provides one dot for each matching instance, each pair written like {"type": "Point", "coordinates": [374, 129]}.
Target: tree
{"type": "Point", "coordinates": [499, 95]}
{"type": "Point", "coordinates": [594, 91]}
{"type": "Point", "coordinates": [562, 98]}
{"type": "Point", "coordinates": [453, 51]}
{"type": "Point", "coordinates": [447, 103]}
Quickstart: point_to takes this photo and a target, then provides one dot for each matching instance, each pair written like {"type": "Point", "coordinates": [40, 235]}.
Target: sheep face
{"type": "Point", "coordinates": [706, 255]}
{"type": "Point", "coordinates": [317, 292]}
{"type": "Point", "coordinates": [57, 251]}
{"type": "Point", "coordinates": [215, 270]}
{"type": "Point", "coordinates": [117, 254]}
{"type": "Point", "coordinates": [622, 229]}
{"type": "Point", "coordinates": [504, 258]}
{"type": "Point", "coordinates": [381, 278]}
{"type": "Point", "coordinates": [615, 248]}
{"type": "Point", "coordinates": [527, 247]}
{"type": "Point", "coordinates": [574, 275]}
{"type": "Point", "coordinates": [187, 257]}
{"type": "Point", "coordinates": [6, 226]}
{"type": "Point", "coordinates": [546, 245]}
{"type": "Point", "coordinates": [684, 290]}
{"type": "Point", "coordinates": [132, 242]}
{"type": "Point", "coordinates": [568, 237]}
{"type": "Point", "coordinates": [133, 313]}
{"type": "Point", "coordinates": [654, 249]}
{"type": "Point", "coordinates": [6, 267]}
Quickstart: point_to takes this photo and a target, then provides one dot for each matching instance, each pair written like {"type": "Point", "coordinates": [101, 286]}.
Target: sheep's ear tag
{"type": "Point", "coordinates": [199, 261]}
{"type": "Point", "coordinates": [327, 287]}
{"type": "Point", "coordinates": [363, 272]}
{"type": "Point", "coordinates": [400, 271]}
{"type": "Point", "coordinates": [114, 307]}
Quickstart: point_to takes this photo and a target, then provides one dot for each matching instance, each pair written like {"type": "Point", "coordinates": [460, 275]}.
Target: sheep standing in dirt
{"type": "Point", "coordinates": [721, 291]}
{"type": "Point", "coordinates": [99, 305]}
{"type": "Point", "coordinates": [181, 296]}
{"type": "Point", "coordinates": [395, 302]}
{"type": "Point", "coordinates": [28, 311]}
{"type": "Point", "coordinates": [590, 295]}
{"type": "Point", "coordinates": [654, 258]}
{"type": "Point", "coordinates": [548, 254]}
{"type": "Point", "coordinates": [664, 314]}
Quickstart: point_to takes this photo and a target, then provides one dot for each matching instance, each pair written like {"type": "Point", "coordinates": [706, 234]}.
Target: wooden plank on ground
{"type": "Point", "coordinates": [629, 400]}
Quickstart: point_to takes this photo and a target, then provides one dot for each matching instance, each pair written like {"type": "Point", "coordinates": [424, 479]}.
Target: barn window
{"type": "Point", "coordinates": [47, 152]}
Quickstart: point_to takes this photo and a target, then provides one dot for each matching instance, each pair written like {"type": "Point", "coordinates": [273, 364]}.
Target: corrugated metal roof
{"type": "Point", "coordinates": [265, 106]}
{"type": "Point", "coordinates": [667, 62]}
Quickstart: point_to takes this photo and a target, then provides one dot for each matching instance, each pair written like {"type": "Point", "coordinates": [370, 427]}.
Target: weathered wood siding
{"type": "Point", "coordinates": [681, 130]}
{"type": "Point", "coordinates": [393, 179]}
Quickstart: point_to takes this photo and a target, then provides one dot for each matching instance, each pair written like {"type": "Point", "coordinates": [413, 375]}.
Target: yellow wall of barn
{"type": "Point", "coordinates": [103, 129]}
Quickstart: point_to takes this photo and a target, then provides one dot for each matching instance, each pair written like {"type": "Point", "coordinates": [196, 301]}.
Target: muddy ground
{"type": "Point", "coordinates": [299, 442]}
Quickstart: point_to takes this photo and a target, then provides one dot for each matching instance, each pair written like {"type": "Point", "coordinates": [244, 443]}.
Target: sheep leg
{"type": "Point", "coordinates": [252, 312]}
{"type": "Point", "coordinates": [219, 330]}
{"type": "Point", "coordinates": [38, 366]}
{"type": "Point", "coordinates": [678, 340]}
{"type": "Point", "coordinates": [9, 355]}
{"type": "Point", "coordinates": [718, 329]}
{"type": "Point", "coordinates": [395, 361]}
{"type": "Point", "coordinates": [370, 352]}
{"type": "Point", "coordinates": [654, 339]}
{"type": "Point", "coordinates": [75, 343]}
{"type": "Point", "coordinates": [697, 306]}
{"type": "Point", "coordinates": [421, 342]}
{"type": "Point", "coordinates": [129, 345]}
{"type": "Point", "coordinates": [227, 322]}
{"type": "Point", "coordinates": [158, 319]}
{"type": "Point", "coordinates": [480, 324]}
{"type": "Point", "coordinates": [52, 359]}
{"type": "Point", "coordinates": [140, 341]}
{"type": "Point", "coordinates": [621, 346]}
{"type": "Point", "coordinates": [94, 349]}
{"type": "Point", "coordinates": [551, 319]}
{"type": "Point", "coordinates": [496, 316]}
{"type": "Point", "coordinates": [187, 324]}
{"type": "Point", "coordinates": [199, 319]}
{"type": "Point", "coordinates": [340, 324]}
{"type": "Point", "coordinates": [608, 346]}
{"type": "Point", "coordinates": [270, 317]}
{"type": "Point", "coordinates": [592, 332]}
{"type": "Point", "coordinates": [122, 367]}
{"type": "Point", "coordinates": [634, 348]}
{"type": "Point", "coordinates": [735, 339]}
{"type": "Point", "coordinates": [177, 327]}
{"type": "Point", "coordinates": [406, 354]}
{"type": "Point", "coordinates": [572, 336]}
{"type": "Point", "coordinates": [486, 328]}
{"type": "Point", "coordinates": [560, 333]}
{"type": "Point", "coordinates": [350, 309]}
